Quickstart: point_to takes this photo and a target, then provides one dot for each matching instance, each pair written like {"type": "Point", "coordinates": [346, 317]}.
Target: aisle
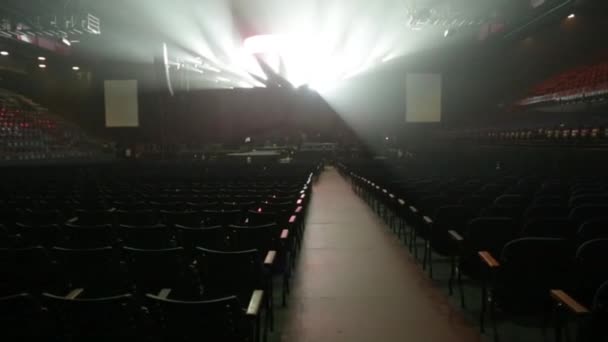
{"type": "Point", "coordinates": [355, 282]}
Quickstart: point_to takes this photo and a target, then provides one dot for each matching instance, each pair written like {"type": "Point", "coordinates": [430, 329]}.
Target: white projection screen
{"type": "Point", "coordinates": [122, 107]}
{"type": "Point", "coordinates": [423, 98]}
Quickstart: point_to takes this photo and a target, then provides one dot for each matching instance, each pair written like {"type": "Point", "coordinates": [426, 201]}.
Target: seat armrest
{"type": "Point", "coordinates": [455, 236]}
{"type": "Point", "coordinates": [488, 259]}
{"type": "Point", "coordinates": [413, 209]}
{"type": "Point", "coordinates": [427, 220]}
{"type": "Point", "coordinates": [401, 202]}
{"type": "Point", "coordinates": [73, 220]}
{"type": "Point", "coordinates": [284, 234]}
{"type": "Point", "coordinates": [562, 298]}
{"type": "Point", "coordinates": [74, 293]}
{"type": "Point", "coordinates": [299, 209]}
{"type": "Point", "coordinates": [255, 303]}
{"type": "Point", "coordinates": [292, 219]}
{"type": "Point", "coordinates": [164, 293]}
{"type": "Point", "coordinates": [270, 256]}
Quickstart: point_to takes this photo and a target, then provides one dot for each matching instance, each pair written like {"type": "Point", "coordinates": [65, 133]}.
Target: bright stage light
{"type": "Point", "coordinates": [4, 53]}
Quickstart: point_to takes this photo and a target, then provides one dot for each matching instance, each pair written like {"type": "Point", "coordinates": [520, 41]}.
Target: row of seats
{"type": "Point", "coordinates": [582, 82]}
{"type": "Point", "coordinates": [526, 242]}
{"type": "Point", "coordinates": [151, 273]}
{"type": "Point", "coordinates": [544, 135]}
{"type": "Point", "coordinates": [31, 133]}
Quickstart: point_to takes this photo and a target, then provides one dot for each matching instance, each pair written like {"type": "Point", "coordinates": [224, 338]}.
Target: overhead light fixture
{"type": "Point", "coordinates": [572, 16]}
{"type": "Point", "coordinates": [42, 66]}
{"type": "Point", "coordinates": [75, 68]}
{"type": "Point", "coordinates": [446, 33]}
{"type": "Point", "coordinates": [41, 58]}
{"type": "Point", "coordinates": [66, 41]}
{"type": "Point", "coordinates": [4, 53]}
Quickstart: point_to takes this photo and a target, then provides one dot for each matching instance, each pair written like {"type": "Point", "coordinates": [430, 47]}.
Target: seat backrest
{"type": "Point", "coordinates": [86, 236]}
{"type": "Point", "coordinates": [530, 267]}
{"type": "Point", "coordinates": [27, 269]}
{"type": "Point", "coordinates": [593, 229]}
{"type": "Point", "coordinates": [97, 270]}
{"type": "Point", "coordinates": [22, 318]}
{"type": "Point", "coordinates": [263, 237]}
{"type": "Point", "coordinates": [550, 227]}
{"type": "Point", "coordinates": [215, 237]}
{"type": "Point", "coordinates": [489, 234]}
{"type": "Point", "coordinates": [108, 317]}
{"type": "Point", "coordinates": [591, 267]}
{"type": "Point", "coordinates": [150, 237]}
{"type": "Point", "coordinates": [229, 273]}
{"type": "Point", "coordinates": [155, 269]}
{"type": "Point", "coordinates": [453, 217]}
{"type": "Point", "coordinates": [587, 212]}
{"type": "Point", "coordinates": [211, 320]}
{"type": "Point", "coordinates": [545, 211]}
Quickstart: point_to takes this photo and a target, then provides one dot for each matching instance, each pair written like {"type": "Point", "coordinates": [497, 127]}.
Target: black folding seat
{"type": "Point", "coordinates": [550, 227]}
{"type": "Point", "coordinates": [449, 217]}
{"type": "Point", "coordinates": [595, 199]}
{"type": "Point", "coordinates": [162, 271]}
{"type": "Point", "coordinates": [592, 229]}
{"type": "Point", "coordinates": [22, 318]}
{"type": "Point", "coordinates": [97, 271]}
{"type": "Point", "coordinates": [590, 319]}
{"type": "Point", "coordinates": [240, 206]}
{"type": "Point", "coordinates": [263, 237]}
{"type": "Point", "coordinates": [100, 319]}
{"type": "Point", "coordinates": [538, 211]}
{"type": "Point", "coordinates": [550, 200]}
{"type": "Point", "coordinates": [28, 269]}
{"type": "Point", "coordinates": [481, 233]}
{"type": "Point", "coordinates": [221, 217]}
{"type": "Point", "coordinates": [260, 217]}
{"type": "Point", "coordinates": [153, 236]}
{"type": "Point", "coordinates": [183, 218]}
{"type": "Point", "coordinates": [202, 205]}
{"type": "Point", "coordinates": [236, 273]}
{"type": "Point", "coordinates": [590, 270]}
{"type": "Point", "coordinates": [37, 235]}
{"type": "Point", "coordinates": [587, 212]}
{"type": "Point", "coordinates": [476, 203]}
{"type": "Point", "coordinates": [92, 217]}
{"type": "Point", "coordinates": [518, 282]}
{"type": "Point", "coordinates": [86, 236]}
{"type": "Point", "coordinates": [221, 319]}
{"type": "Point", "coordinates": [42, 217]}
{"type": "Point", "coordinates": [131, 205]}
{"type": "Point", "coordinates": [215, 237]}
{"type": "Point", "coordinates": [168, 205]}
{"type": "Point", "coordinates": [135, 217]}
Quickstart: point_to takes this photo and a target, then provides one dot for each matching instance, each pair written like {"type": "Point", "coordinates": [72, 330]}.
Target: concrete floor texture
{"type": "Point", "coordinates": [356, 282]}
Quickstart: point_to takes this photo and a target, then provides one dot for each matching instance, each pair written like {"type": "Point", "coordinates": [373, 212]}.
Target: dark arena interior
{"type": "Point", "coordinates": [304, 170]}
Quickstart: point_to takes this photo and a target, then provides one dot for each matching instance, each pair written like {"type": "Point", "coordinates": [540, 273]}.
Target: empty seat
{"type": "Point", "coordinates": [85, 236]}
{"type": "Point", "coordinates": [215, 238]}
{"type": "Point", "coordinates": [162, 270]}
{"type": "Point", "coordinates": [219, 319]}
{"type": "Point", "coordinates": [22, 318]}
{"type": "Point", "coordinates": [97, 270]}
{"type": "Point", "coordinates": [554, 227]}
{"type": "Point", "coordinates": [95, 319]}
{"type": "Point", "coordinates": [151, 237]}
{"type": "Point", "coordinates": [28, 270]}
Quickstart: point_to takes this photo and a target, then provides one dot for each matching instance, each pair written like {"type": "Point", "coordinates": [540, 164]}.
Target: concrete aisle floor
{"type": "Point", "coordinates": [355, 282]}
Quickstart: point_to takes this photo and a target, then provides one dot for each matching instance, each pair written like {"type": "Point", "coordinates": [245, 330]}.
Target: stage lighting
{"type": "Point", "coordinates": [66, 42]}
{"type": "Point", "coordinates": [41, 58]}
{"type": "Point", "coordinates": [75, 68]}
{"type": "Point", "coordinates": [4, 53]}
